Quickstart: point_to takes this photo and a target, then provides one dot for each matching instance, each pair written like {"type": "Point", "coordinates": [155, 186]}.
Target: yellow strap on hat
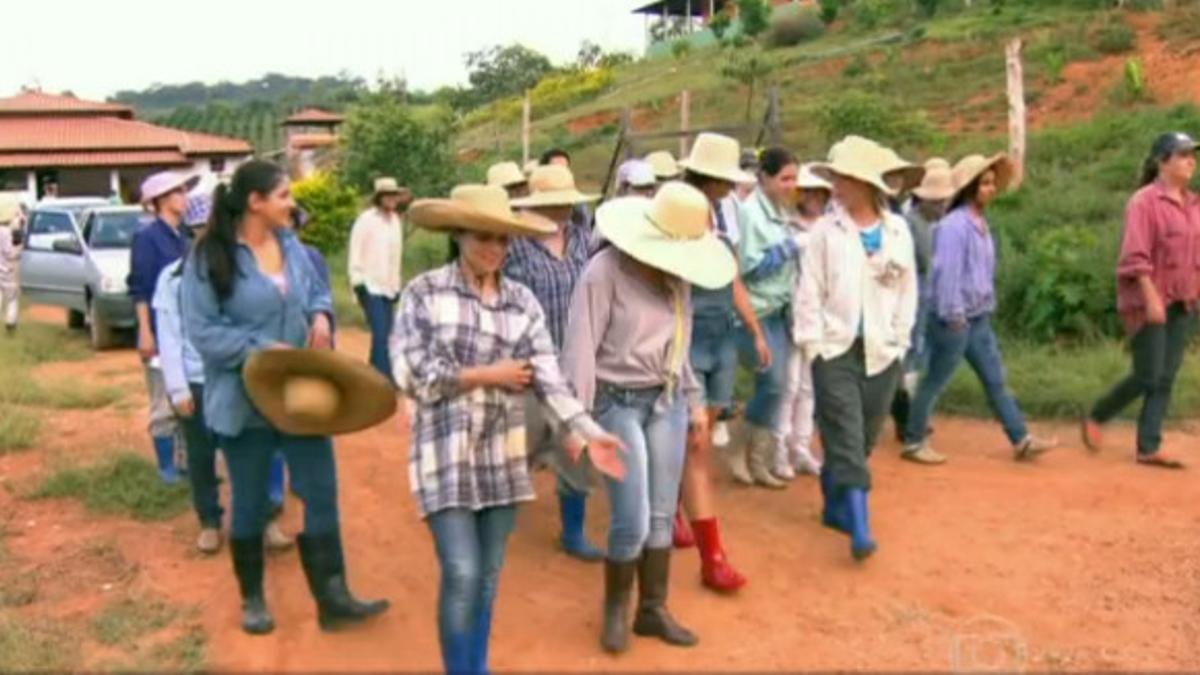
{"type": "Point", "coordinates": [675, 355]}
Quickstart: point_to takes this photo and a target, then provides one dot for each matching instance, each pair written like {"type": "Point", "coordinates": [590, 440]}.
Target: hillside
{"type": "Point", "coordinates": [944, 79]}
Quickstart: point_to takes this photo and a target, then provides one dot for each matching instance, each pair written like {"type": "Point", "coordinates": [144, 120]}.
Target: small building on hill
{"type": "Point", "coordinates": [311, 139]}
{"type": "Point", "coordinates": [88, 148]}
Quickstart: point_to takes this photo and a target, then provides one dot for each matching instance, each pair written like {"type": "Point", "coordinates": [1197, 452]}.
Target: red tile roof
{"type": "Point", "coordinates": [315, 116]}
{"type": "Point", "coordinates": [33, 160]}
{"type": "Point", "coordinates": [303, 141]}
{"type": "Point", "coordinates": [40, 103]}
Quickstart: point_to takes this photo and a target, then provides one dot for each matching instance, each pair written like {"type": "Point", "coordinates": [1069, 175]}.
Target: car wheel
{"type": "Point", "coordinates": [76, 319]}
{"type": "Point", "coordinates": [103, 336]}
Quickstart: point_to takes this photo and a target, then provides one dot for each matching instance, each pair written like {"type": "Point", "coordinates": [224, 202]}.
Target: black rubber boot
{"type": "Point", "coordinates": [325, 569]}
{"type": "Point", "coordinates": [618, 584]}
{"type": "Point", "coordinates": [247, 557]}
{"type": "Point", "coordinates": [900, 407]}
{"type": "Point", "coordinates": [653, 619]}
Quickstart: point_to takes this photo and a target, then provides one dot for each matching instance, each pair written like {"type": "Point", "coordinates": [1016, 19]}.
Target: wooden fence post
{"type": "Point", "coordinates": [623, 135]}
{"type": "Point", "coordinates": [525, 124]}
{"type": "Point", "coordinates": [685, 114]}
{"type": "Point", "coordinates": [1016, 111]}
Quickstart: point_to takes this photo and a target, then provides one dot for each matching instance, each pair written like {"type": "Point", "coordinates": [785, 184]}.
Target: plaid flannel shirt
{"type": "Point", "coordinates": [551, 279]}
{"type": "Point", "coordinates": [468, 447]}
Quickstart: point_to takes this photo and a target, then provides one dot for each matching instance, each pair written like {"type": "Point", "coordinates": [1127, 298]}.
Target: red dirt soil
{"type": "Point", "coordinates": [1079, 562]}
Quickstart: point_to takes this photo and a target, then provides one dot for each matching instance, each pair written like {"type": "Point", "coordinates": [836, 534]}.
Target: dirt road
{"type": "Point", "coordinates": [1080, 562]}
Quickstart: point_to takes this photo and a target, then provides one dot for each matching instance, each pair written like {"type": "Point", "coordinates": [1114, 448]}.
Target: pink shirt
{"type": "Point", "coordinates": [1162, 240]}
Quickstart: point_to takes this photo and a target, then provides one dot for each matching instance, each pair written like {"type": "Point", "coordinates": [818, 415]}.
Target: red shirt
{"type": "Point", "coordinates": [1161, 240]}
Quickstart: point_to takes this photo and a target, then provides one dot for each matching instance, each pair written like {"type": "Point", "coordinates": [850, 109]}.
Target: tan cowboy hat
{"type": "Point", "coordinates": [552, 185]}
{"type": "Point", "coordinates": [861, 159]}
{"type": "Point", "coordinates": [808, 180]}
{"type": "Point", "coordinates": [10, 209]}
{"type": "Point", "coordinates": [389, 186]}
{"type": "Point", "coordinates": [317, 392]}
{"type": "Point", "coordinates": [671, 233]}
{"type": "Point", "coordinates": [505, 174]}
{"type": "Point", "coordinates": [971, 167]}
{"type": "Point", "coordinates": [479, 208]}
{"type": "Point", "coordinates": [717, 156]}
{"type": "Point", "coordinates": [938, 183]}
{"type": "Point", "coordinates": [664, 164]}
{"type": "Point", "coordinates": [530, 166]}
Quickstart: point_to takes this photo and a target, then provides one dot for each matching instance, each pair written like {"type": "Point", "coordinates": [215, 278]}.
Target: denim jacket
{"type": "Point", "coordinates": [255, 317]}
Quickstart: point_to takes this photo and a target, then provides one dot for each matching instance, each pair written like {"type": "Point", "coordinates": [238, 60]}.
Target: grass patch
{"type": "Point", "coordinates": [39, 342]}
{"type": "Point", "coordinates": [35, 344]}
{"type": "Point", "coordinates": [126, 620]}
{"type": "Point", "coordinates": [60, 395]}
{"type": "Point", "coordinates": [36, 645]}
{"type": "Point", "coordinates": [18, 429]}
{"type": "Point", "coordinates": [186, 653]}
{"type": "Point", "coordinates": [127, 484]}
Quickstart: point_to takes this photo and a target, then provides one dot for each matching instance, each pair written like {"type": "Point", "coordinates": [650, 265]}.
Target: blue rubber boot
{"type": "Point", "coordinates": [862, 545]}
{"type": "Point", "coordinates": [164, 450]}
{"type": "Point", "coordinates": [456, 654]}
{"type": "Point", "coordinates": [833, 515]}
{"type": "Point", "coordinates": [479, 643]}
{"type": "Point", "coordinates": [275, 480]}
{"type": "Point", "coordinates": [573, 509]}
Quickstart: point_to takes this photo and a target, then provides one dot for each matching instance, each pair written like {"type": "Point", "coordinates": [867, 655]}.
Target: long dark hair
{"type": "Point", "coordinates": [966, 195]}
{"type": "Point", "coordinates": [1150, 170]}
{"type": "Point", "coordinates": [217, 248]}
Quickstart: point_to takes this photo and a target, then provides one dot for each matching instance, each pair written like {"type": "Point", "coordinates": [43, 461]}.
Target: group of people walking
{"type": "Point", "coordinates": [603, 343]}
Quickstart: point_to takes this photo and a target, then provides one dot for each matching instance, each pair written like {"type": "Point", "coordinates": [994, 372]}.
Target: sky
{"type": "Point", "coordinates": [98, 47]}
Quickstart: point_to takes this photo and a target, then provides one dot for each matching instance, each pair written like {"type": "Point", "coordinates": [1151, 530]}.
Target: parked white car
{"type": "Point", "coordinates": [80, 262]}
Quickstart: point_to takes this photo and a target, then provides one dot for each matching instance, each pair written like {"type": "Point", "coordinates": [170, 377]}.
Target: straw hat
{"type": "Point", "coordinates": [636, 173]}
{"type": "Point", "coordinates": [971, 167]}
{"type": "Point", "coordinates": [317, 392]}
{"type": "Point", "coordinates": [938, 183]}
{"type": "Point", "coordinates": [552, 185]}
{"type": "Point", "coordinates": [861, 159]}
{"type": "Point", "coordinates": [479, 208]}
{"type": "Point", "coordinates": [164, 182]}
{"type": "Point", "coordinates": [717, 156]}
{"type": "Point", "coordinates": [10, 209]}
{"type": "Point", "coordinates": [664, 164]}
{"type": "Point", "coordinates": [389, 186]}
{"type": "Point", "coordinates": [808, 180]}
{"type": "Point", "coordinates": [505, 174]}
{"type": "Point", "coordinates": [670, 232]}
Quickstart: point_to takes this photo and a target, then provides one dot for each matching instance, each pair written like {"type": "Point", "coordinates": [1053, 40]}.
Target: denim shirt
{"type": "Point", "coordinates": [964, 265]}
{"type": "Point", "coordinates": [255, 317]}
{"type": "Point", "coordinates": [181, 364]}
{"type": "Point", "coordinates": [154, 247]}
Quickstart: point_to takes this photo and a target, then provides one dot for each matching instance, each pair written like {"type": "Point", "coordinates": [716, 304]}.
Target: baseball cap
{"type": "Point", "coordinates": [636, 173]}
{"type": "Point", "coordinates": [1171, 143]}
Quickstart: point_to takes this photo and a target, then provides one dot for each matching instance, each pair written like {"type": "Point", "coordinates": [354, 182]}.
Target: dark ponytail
{"type": "Point", "coordinates": [217, 248]}
{"type": "Point", "coordinates": [1149, 171]}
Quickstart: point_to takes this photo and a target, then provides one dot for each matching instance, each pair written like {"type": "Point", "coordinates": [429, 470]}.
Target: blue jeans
{"type": "Point", "coordinates": [714, 360]}
{"type": "Point", "coordinates": [769, 385]}
{"type": "Point", "coordinates": [947, 347]}
{"type": "Point", "coordinates": [917, 358]}
{"type": "Point", "coordinates": [311, 467]}
{"type": "Point", "coordinates": [470, 550]}
{"type": "Point", "coordinates": [202, 463]}
{"type": "Point", "coordinates": [643, 505]}
{"type": "Point", "coordinates": [380, 312]}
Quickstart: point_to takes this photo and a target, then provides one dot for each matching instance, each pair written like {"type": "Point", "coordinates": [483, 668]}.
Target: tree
{"type": "Point", "coordinates": [589, 56]}
{"type": "Point", "coordinates": [382, 137]}
{"type": "Point", "coordinates": [750, 69]}
{"type": "Point", "coordinates": [755, 16]}
{"type": "Point", "coordinates": [720, 23]}
{"type": "Point", "coordinates": [498, 72]}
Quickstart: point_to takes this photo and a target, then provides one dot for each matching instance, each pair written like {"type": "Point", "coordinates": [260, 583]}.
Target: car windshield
{"type": "Point", "coordinates": [114, 230]}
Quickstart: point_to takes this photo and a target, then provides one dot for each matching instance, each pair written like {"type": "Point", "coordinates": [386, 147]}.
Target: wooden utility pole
{"type": "Point", "coordinates": [1016, 110]}
{"type": "Point", "coordinates": [685, 114]}
{"type": "Point", "coordinates": [525, 124]}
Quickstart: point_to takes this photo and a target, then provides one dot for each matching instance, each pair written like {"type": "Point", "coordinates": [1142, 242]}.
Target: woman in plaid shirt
{"type": "Point", "coordinates": [467, 343]}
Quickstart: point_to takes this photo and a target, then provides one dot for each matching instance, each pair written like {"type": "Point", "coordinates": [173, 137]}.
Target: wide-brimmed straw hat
{"type": "Point", "coordinates": [717, 156]}
{"type": "Point", "coordinates": [479, 208]}
{"type": "Point", "coordinates": [664, 164]}
{"type": "Point", "coordinates": [317, 392]}
{"type": "Point", "coordinates": [938, 183]}
{"type": "Point", "coordinates": [971, 167]}
{"type": "Point", "coordinates": [10, 209]}
{"type": "Point", "coordinates": [671, 232]}
{"type": "Point", "coordinates": [164, 182]}
{"type": "Point", "coordinates": [388, 186]}
{"type": "Point", "coordinates": [807, 179]}
{"type": "Point", "coordinates": [505, 174]}
{"type": "Point", "coordinates": [860, 159]}
{"type": "Point", "coordinates": [552, 185]}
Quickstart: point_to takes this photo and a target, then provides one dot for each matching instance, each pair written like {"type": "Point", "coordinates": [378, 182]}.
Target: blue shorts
{"type": "Point", "coordinates": [714, 360]}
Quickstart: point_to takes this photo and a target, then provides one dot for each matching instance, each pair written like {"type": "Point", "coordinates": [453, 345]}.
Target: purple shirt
{"type": "Point", "coordinates": [964, 267]}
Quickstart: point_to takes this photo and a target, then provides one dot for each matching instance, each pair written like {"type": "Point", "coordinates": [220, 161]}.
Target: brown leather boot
{"type": "Point", "coordinates": [618, 583]}
{"type": "Point", "coordinates": [653, 619]}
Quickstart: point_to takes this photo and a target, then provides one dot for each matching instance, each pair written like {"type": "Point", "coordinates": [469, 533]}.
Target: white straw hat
{"type": "Point", "coordinates": [552, 185]}
{"type": "Point", "coordinates": [858, 158]}
{"type": "Point", "coordinates": [505, 174]}
{"type": "Point", "coordinates": [717, 156]}
{"type": "Point", "coordinates": [938, 183]}
{"type": "Point", "coordinates": [671, 232]}
{"type": "Point", "coordinates": [664, 164]}
{"type": "Point", "coordinates": [479, 208]}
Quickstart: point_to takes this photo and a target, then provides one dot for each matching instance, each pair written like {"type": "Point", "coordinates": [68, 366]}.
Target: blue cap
{"type": "Point", "coordinates": [1170, 143]}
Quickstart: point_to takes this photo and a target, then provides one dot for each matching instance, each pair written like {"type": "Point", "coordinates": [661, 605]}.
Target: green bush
{"type": "Point", "coordinates": [755, 16]}
{"type": "Point", "coordinates": [829, 10]}
{"type": "Point", "coordinates": [870, 13]}
{"type": "Point", "coordinates": [681, 48]}
{"type": "Point", "coordinates": [1115, 37]}
{"type": "Point", "coordinates": [552, 94]}
{"type": "Point", "coordinates": [928, 7]}
{"type": "Point", "coordinates": [857, 67]}
{"type": "Point", "coordinates": [719, 24]}
{"type": "Point", "coordinates": [791, 28]}
{"type": "Point", "coordinates": [331, 209]}
{"type": "Point", "coordinates": [874, 116]}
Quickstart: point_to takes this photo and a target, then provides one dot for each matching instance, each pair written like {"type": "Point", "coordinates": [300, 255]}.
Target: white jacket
{"type": "Point", "coordinates": [840, 286]}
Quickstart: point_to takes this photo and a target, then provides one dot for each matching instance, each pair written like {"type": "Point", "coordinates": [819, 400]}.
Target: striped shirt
{"type": "Point", "coordinates": [468, 447]}
{"type": "Point", "coordinates": [552, 279]}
